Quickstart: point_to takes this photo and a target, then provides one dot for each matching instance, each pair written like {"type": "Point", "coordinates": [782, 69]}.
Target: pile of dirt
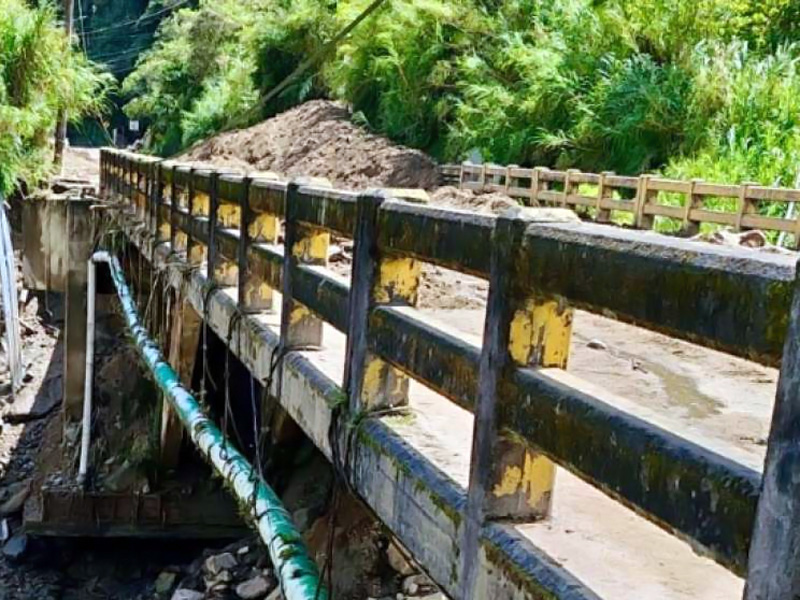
{"type": "Point", "coordinates": [318, 139]}
{"type": "Point", "coordinates": [452, 197]}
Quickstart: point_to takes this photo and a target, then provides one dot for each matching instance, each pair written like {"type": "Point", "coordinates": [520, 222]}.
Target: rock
{"type": "Point", "coordinates": [596, 345]}
{"type": "Point", "coordinates": [276, 594]}
{"type": "Point", "coordinates": [14, 549]}
{"type": "Point", "coordinates": [417, 584]}
{"type": "Point", "coordinates": [217, 563]}
{"type": "Point", "coordinates": [122, 478]}
{"type": "Point", "coordinates": [165, 582]}
{"type": "Point", "coordinates": [18, 493]}
{"type": "Point", "coordinates": [302, 519]}
{"type": "Point", "coordinates": [398, 561]}
{"type": "Point", "coordinates": [187, 595]}
{"type": "Point", "coordinates": [254, 588]}
{"type": "Point", "coordinates": [243, 550]}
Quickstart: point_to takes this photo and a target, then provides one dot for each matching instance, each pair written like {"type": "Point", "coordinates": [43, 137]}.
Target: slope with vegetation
{"type": "Point", "coordinates": [39, 74]}
{"type": "Point", "coordinates": [695, 88]}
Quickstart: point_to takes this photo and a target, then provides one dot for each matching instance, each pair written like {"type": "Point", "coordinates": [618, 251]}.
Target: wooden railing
{"type": "Point", "coordinates": [642, 199]}
{"type": "Point", "coordinates": [530, 414]}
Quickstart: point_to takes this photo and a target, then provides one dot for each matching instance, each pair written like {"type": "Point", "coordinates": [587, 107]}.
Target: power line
{"type": "Point", "coordinates": [140, 19]}
{"type": "Point", "coordinates": [319, 54]}
{"type": "Point", "coordinates": [113, 55]}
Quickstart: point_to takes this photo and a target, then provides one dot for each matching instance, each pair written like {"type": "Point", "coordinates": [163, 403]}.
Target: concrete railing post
{"type": "Point", "coordinates": [377, 280]}
{"type": "Point", "coordinates": [302, 245]}
{"type": "Point", "coordinates": [773, 571]}
{"type": "Point", "coordinates": [198, 207]}
{"type": "Point", "coordinates": [509, 480]}
{"type": "Point", "coordinates": [162, 225]}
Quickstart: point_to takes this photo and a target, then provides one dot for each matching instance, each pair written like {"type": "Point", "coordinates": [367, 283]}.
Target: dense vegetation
{"type": "Point", "coordinates": [39, 74]}
{"type": "Point", "coordinates": [706, 88]}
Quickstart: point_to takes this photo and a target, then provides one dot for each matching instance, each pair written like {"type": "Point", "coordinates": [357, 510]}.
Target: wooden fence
{"type": "Point", "coordinates": [643, 199]}
{"type": "Point", "coordinates": [527, 410]}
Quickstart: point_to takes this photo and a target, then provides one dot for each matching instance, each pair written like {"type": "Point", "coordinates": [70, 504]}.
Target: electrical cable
{"type": "Point", "coordinates": [140, 19]}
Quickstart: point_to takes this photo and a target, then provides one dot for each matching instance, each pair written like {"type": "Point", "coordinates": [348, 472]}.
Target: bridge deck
{"type": "Point", "coordinates": [613, 551]}
{"type": "Point", "coordinates": [673, 433]}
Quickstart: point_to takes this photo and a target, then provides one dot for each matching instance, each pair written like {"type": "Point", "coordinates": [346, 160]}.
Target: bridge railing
{"type": "Point", "coordinates": [642, 199]}
{"type": "Point", "coordinates": [530, 414]}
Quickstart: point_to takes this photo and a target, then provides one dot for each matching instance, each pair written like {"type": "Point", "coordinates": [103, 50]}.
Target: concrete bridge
{"type": "Point", "coordinates": [454, 439]}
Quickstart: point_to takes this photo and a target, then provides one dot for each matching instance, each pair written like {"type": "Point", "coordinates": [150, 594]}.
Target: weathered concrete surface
{"type": "Point", "coordinates": [44, 228]}
{"type": "Point", "coordinates": [422, 504]}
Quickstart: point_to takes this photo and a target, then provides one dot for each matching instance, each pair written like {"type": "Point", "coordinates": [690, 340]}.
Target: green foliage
{"type": "Point", "coordinates": [700, 88]}
{"type": "Point", "coordinates": [755, 133]}
{"type": "Point", "coordinates": [194, 80]}
{"type": "Point", "coordinates": [284, 34]}
{"type": "Point", "coordinates": [39, 74]}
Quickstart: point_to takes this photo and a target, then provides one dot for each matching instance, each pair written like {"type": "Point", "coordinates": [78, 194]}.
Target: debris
{"type": "Point", "coordinates": [319, 138]}
{"type": "Point", "coordinates": [453, 197]}
{"type": "Point", "coordinates": [416, 584]}
{"type": "Point", "coordinates": [302, 519]}
{"type": "Point", "coordinates": [275, 595]}
{"type": "Point", "coordinates": [122, 478]}
{"type": "Point", "coordinates": [725, 237]}
{"type": "Point", "coordinates": [398, 561]}
{"type": "Point", "coordinates": [217, 563]}
{"type": "Point", "coordinates": [596, 345]}
{"type": "Point", "coordinates": [184, 594]}
{"type": "Point", "coordinates": [254, 588]}
{"type": "Point", "coordinates": [14, 549]}
{"type": "Point", "coordinates": [165, 582]}
{"type": "Point", "coordinates": [18, 493]}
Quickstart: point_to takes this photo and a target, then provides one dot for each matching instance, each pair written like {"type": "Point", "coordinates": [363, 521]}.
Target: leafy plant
{"type": "Point", "coordinates": [40, 73]}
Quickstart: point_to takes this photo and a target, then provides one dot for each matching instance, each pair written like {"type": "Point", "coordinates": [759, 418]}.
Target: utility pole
{"type": "Point", "coordinates": [61, 124]}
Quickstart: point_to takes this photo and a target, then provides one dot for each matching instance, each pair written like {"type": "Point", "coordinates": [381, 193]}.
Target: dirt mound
{"type": "Point", "coordinates": [452, 197]}
{"type": "Point", "coordinates": [319, 139]}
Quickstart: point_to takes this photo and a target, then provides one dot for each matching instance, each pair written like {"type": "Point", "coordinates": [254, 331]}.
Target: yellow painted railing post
{"type": "Point", "coordinates": [163, 196]}
{"type": "Point", "coordinates": [199, 206]}
{"type": "Point", "coordinates": [182, 203]}
{"type": "Point", "coordinates": [377, 279]}
{"type": "Point", "coordinates": [256, 228]}
{"type": "Point", "coordinates": [509, 480]}
{"type": "Point", "coordinates": [226, 215]}
{"type": "Point", "coordinates": [303, 245]}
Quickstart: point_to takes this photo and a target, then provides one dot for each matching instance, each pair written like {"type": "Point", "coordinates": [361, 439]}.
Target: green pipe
{"type": "Point", "coordinates": [297, 573]}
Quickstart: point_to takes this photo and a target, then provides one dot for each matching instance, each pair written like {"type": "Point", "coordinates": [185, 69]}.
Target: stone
{"type": "Point", "coordinates": [243, 550]}
{"type": "Point", "coordinates": [252, 589]}
{"type": "Point", "coordinates": [187, 595]}
{"type": "Point", "coordinates": [14, 549]}
{"type": "Point", "coordinates": [398, 561]}
{"type": "Point", "coordinates": [597, 345]}
{"type": "Point", "coordinates": [122, 478]}
{"type": "Point", "coordinates": [417, 584]}
{"type": "Point", "coordinates": [275, 594]}
{"type": "Point", "coordinates": [165, 582]}
{"type": "Point", "coordinates": [18, 493]}
{"type": "Point", "coordinates": [217, 563]}
{"type": "Point", "coordinates": [302, 519]}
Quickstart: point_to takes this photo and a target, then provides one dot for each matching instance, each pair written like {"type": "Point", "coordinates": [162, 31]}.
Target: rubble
{"type": "Point", "coordinates": [254, 588]}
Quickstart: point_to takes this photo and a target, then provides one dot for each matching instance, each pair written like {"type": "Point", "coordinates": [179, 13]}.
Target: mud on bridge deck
{"type": "Point", "coordinates": [504, 474]}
